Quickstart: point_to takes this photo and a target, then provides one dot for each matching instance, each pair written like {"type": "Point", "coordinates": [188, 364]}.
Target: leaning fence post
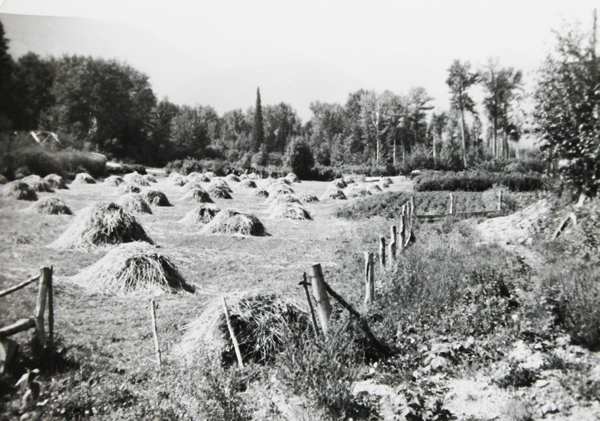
{"type": "Point", "coordinates": [305, 284]}
{"type": "Point", "coordinates": [500, 200]}
{"type": "Point", "coordinates": [155, 332]}
{"type": "Point", "coordinates": [51, 318]}
{"type": "Point", "coordinates": [321, 297]}
{"type": "Point", "coordinates": [236, 346]}
{"type": "Point", "coordinates": [393, 243]}
{"type": "Point", "coordinates": [369, 280]}
{"type": "Point", "coordinates": [45, 275]}
{"type": "Point", "coordinates": [451, 211]}
{"type": "Point", "coordinates": [382, 251]}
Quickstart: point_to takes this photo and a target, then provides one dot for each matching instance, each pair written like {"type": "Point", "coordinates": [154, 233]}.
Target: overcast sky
{"type": "Point", "coordinates": [385, 44]}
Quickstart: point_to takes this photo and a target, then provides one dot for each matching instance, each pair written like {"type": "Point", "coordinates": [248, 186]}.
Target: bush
{"type": "Point", "coordinates": [478, 181]}
{"type": "Point", "coordinates": [300, 159]}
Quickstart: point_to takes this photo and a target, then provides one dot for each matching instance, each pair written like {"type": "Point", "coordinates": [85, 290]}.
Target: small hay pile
{"type": "Point", "coordinates": [247, 183]}
{"type": "Point", "coordinates": [101, 224]}
{"type": "Point", "coordinates": [262, 193]}
{"type": "Point", "coordinates": [156, 198]}
{"type": "Point", "coordinates": [136, 178]}
{"type": "Point", "coordinates": [84, 178]}
{"type": "Point", "coordinates": [134, 203]}
{"type": "Point", "coordinates": [38, 184]}
{"type": "Point", "coordinates": [281, 199]}
{"type": "Point", "coordinates": [126, 188]}
{"type": "Point", "coordinates": [349, 180]}
{"type": "Point", "coordinates": [293, 178]}
{"type": "Point", "coordinates": [210, 174]}
{"type": "Point", "coordinates": [277, 189]}
{"type": "Point", "coordinates": [218, 192]}
{"type": "Point", "coordinates": [132, 267]}
{"type": "Point", "coordinates": [192, 184]}
{"type": "Point", "coordinates": [203, 214]}
{"type": "Point", "coordinates": [386, 181]}
{"type": "Point", "coordinates": [177, 180]}
{"type": "Point", "coordinates": [19, 190]}
{"type": "Point", "coordinates": [149, 178]}
{"type": "Point", "coordinates": [284, 181]}
{"type": "Point", "coordinates": [114, 181]}
{"type": "Point", "coordinates": [197, 177]}
{"type": "Point", "coordinates": [244, 176]}
{"type": "Point", "coordinates": [357, 190]}
{"type": "Point", "coordinates": [232, 178]}
{"type": "Point", "coordinates": [233, 222]}
{"type": "Point", "coordinates": [374, 189]}
{"type": "Point", "coordinates": [51, 205]}
{"type": "Point", "coordinates": [289, 211]}
{"type": "Point", "coordinates": [197, 195]}
{"type": "Point", "coordinates": [56, 181]}
{"type": "Point", "coordinates": [260, 322]}
{"type": "Point", "coordinates": [308, 198]}
{"type": "Point", "coordinates": [339, 183]}
{"type": "Point", "coordinates": [3, 180]}
{"type": "Point", "coordinates": [266, 183]}
{"type": "Point", "coordinates": [333, 193]}
{"type": "Point", "coordinates": [219, 182]}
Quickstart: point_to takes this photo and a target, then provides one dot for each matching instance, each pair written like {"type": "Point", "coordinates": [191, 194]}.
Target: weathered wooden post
{"type": "Point", "coordinates": [451, 210]}
{"type": "Point", "coordinates": [321, 297]}
{"type": "Point", "coordinates": [236, 346]}
{"type": "Point", "coordinates": [382, 251]}
{"type": "Point", "coordinates": [51, 319]}
{"type": "Point", "coordinates": [305, 284]}
{"type": "Point", "coordinates": [401, 230]}
{"type": "Point", "coordinates": [155, 333]}
{"type": "Point", "coordinates": [369, 280]}
{"type": "Point", "coordinates": [393, 243]}
{"type": "Point", "coordinates": [40, 308]}
{"type": "Point", "coordinates": [500, 200]}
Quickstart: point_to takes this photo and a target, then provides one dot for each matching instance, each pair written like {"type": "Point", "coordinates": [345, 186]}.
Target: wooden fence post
{"type": "Point", "coordinates": [51, 318]}
{"type": "Point", "coordinates": [500, 200]}
{"type": "Point", "coordinates": [369, 280]}
{"type": "Point", "coordinates": [451, 211]}
{"type": "Point", "coordinates": [321, 297]}
{"type": "Point", "coordinates": [45, 276]}
{"type": "Point", "coordinates": [382, 251]}
{"type": "Point", "coordinates": [401, 231]}
{"type": "Point", "coordinates": [155, 333]}
{"type": "Point", "coordinates": [305, 284]}
{"type": "Point", "coordinates": [236, 346]}
{"type": "Point", "coordinates": [393, 245]}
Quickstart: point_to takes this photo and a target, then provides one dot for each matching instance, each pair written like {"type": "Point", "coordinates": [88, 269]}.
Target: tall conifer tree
{"type": "Point", "coordinates": [258, 132]}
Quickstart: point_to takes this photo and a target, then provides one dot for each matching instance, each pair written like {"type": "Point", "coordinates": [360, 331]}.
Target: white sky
{"type": "Point", "coordinates": [385, 44]}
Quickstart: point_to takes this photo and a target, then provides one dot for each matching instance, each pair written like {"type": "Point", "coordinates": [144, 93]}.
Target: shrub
{"type": "Point", "coordinates": [300, 159]}
{"type": "Point", "coordinates": [477, 181]}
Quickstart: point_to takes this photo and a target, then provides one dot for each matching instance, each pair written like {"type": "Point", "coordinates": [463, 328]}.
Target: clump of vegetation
{"type": "Point", "coordinates": [248, 183]}
{"type": "Point", "coordinates": [290, 210]}
{"type": "Point", "coordinates": [308, 198]}
{"type": "Point", "coordinates": [334, 193]}
{"type": "Point", "coordinates": [202, 214]}
{"type": "Point", "coordinates": [134, 203]}
{"type": "Point", "coordinates": [38, 184]}
{"type": "Point", "coordinates": [132, 267]}
{"type": "Point", "coordinates": [114, 181]}
{"type": "Point", "coordinates": [478, 181]}
{"type": "Point", "coordinates": [220, 183]}
{"type": "Point", "coordinates": [260, 193]}
{"type": "Point", "coordinates": [51, 206]}
{"type": "Point", "coordinates": [19, 190]}
{"type": "Point", "coordinates": [136, 178]}
{"type": "Point", "coordinates": [84, 178]}
{"type": "Point", "coordinates": [127, 188]}
{"type": "Point", "coordinates": [218, 192]}
{"type": "Point", "coordinates": [233, 222]}
{"type": "Point", "coordinates": [56, 181]}
{"type": "Point", "coordinates": [156, 198]}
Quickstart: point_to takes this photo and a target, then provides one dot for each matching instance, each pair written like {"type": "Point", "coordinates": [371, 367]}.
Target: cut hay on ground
{"type": "Point", "coordinates": [136, 178]}
{"type": "Point", "coordinates": [203, 214]}
{"type": "Point", "coordinates": [99, 225]}
{"type": "Point", "coordinates": [249, 184]}
{"type": "Point", "coordinates": [232, 178]}
{"type": "Point", "coordinates": [3, 180]}
{"type": "Point", "coordinates": [134, 203]}
{"type": "Point", "coordinates": [156, 198]}
{"type": "Point", "coordinates": [339, 184]}
{"type": "Point", "coordinates": [282, 198]}
{"type": "Point", "coordinates": [357, 190]}
{"type": "Point", "coordinates": [84, 178]}
{"type": "Point", "coordinates": [190, 185]}
{"type": "Point", "coordinates": [51, 205]}
{"type": "Point", "coordinates": [177, 180]}
{"type": "Point", "coordinates": [218, 192]}
{"type": "Point", "coordinates": [126, 188]}
{"type": "Point", "coordinates": [293, 178]}
{"type": "Point", "coordinates": [308, 198]}
{"type": "Point", "coordinates": [114, 181]}
{"type": "Point", "coordinates": [149, 178]}
{"type": "Point", "coordinates": [289, 211]}
{"type": "Point", "coordinates": [233, 222]}
{"type": "Point", "coordinates": [374, 189]}
{"type": "Point", "coordinates": [19, 190]}
{"type": "Point", "coordinates": [333, 193]}
{"type": "Point", "coordinates": [38, 184]}
{"type": "Point", "coordinates": [132, 267]}
{"type": "Point", "coordinates": [261, 322]}
{"type": "Point", "coordinates": [56, 181]}
{"type": "Point", "coordinates": [198, 196]}
{"type": "Point", "coordinates": [262, 193]}
{"type": "Point", "coordinates": [219, 182]}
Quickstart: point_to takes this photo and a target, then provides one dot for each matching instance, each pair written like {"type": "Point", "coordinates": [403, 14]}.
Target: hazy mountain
{"type": "Point", "coordinates": [167, 66]}
{"type": "Point", "coordinates": [296, 84]}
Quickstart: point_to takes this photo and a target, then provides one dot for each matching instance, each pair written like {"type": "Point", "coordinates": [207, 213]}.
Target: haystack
{"type": "Point", "coordinates": [308, 198]}
{"type": "Point", "coordinates": [197, 177]}
{"type": "Point", "coordinates": [190, 185]}
{"type": "Point", "coordinates": [56, 181]}
{"type": "Point", "coordinates": [203, 214]}
{"type": "Point", "coordinates": [51, 205]}
{"type": "Point", "coordinates": [357, 190]}
{"type": "Point", "coordinates": [289, 211]}
{"type": "Point", "coordinates": [244, 176]}
{"type": "Point", "coordinates": [233, 222]}
{"type": "Point", "coordinates": [210, 174]}
{"type": "Point", "coordinates": [177, 180]}
{"type": "Point", "coordinates": [126, 188]}
{"type": "Point", "coordinates": [218, 192]}
{"type": "Point", "coordinates": [132, 267]}
{"type": "Point", "coordinates": [386, 181]}
{"type": "Point", "coordinates": [333, 193]}
{"type": "Point", "coordinates": [84, 178]}
{"type": "Point", "coordinates": [349, 180]}
{"type": "Point", "coordinates": [101, 224]}
{"type": "Point", "coordinates": [197, 195]}
{"type": "Point", "coordinates": [266, 183]}
{"type": "Point", "coordinates": [282, 198]}
{"type": "Point", "coordinates": [19, 190]}
{"type": "Point", "coordinates": [374, 189]}
{"type": "Point", "coordinates": [193, 175]}
{"type": "Point", "coordinates": [3, 180]}
{"type": "Point", "coordinates": [114, 181]}
{"type": "Point", "coordinates": [174, 174]}
{"type": "Point", "coordinates": [339, 183]}
{"type": "Point", "coordinates": [38, 184]}
{"type": "Point", "coordinates": [232, 178]}
{"type": "Point", "coordinates": [260, 323]}
{"type": "Point", "coordinates": [149, 178]}
{"type": "Point", "coordinates": [156, 198]}
{"type": "Point", "coordinates": [136, 178]}
{"type": "Point", "coordinates": [249, 184]}
{"type": "Point", "coordinates": [276, 189]}
{"type": "Point", "coordinates": [260, 193]}
{"type": "Point", "coordinates": [219, 182]}
{"type": "Point", "coordinates": [134, 203]}
{"type": "Point", "coordinates": [292, 178]}
{"type": "Point", "coordinates": [283, 181]}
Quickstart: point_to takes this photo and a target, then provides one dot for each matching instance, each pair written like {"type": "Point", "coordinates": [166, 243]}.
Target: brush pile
{"type": "Point", "coordinates": [132, 267]}
{"type": "Point", "coordinates": [198, 195]}
{"type": "Point", "coordinates": [56, 181]}
{"type": "Point", "coordinates": [99, 225]}
{"type": "Point", "coordinates": [134, 203]}
{"type": "Point", "coordinates": [233, 222]}
{"type": "Point", "coordinates": [203, 214]}
{"type": "Point", "coordinates": [51, 206]}
{"type": "Point", "coordinates": [19, 190]}
{"type": "Point", "coordinates": [114, 181]}
{"type": "Point", "coordinates": [260, 323]}
{"type": "Point", "coordinates": [84, 178]}
{"type": "Point", "coordinates": [156, 198]}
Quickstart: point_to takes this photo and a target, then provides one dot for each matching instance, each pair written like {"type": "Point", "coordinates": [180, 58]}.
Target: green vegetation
{"type": "Point", "coordinates": [478, 181]}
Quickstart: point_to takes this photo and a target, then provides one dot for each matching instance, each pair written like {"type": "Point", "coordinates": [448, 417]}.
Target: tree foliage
{"type": "Point", "coordinates": [258, 132]}
{"type": "Point", "coordinates": [300, 158]}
